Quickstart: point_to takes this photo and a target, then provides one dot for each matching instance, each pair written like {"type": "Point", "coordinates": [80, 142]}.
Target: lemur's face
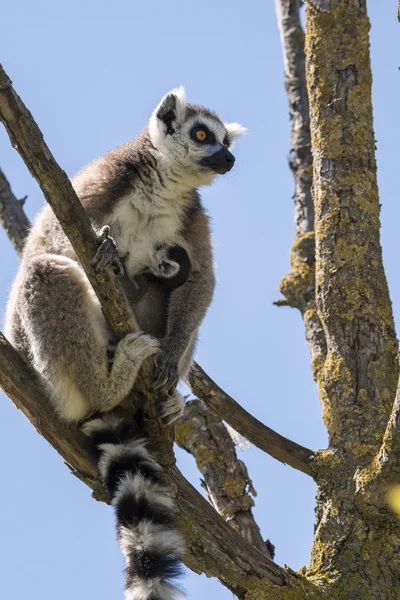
{"type": "Point", "coordinates": [193, 139]}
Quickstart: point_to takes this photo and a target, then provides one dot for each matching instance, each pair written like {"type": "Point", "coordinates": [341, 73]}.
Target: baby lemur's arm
{"type": "Point", "coordinates": [187, 305]}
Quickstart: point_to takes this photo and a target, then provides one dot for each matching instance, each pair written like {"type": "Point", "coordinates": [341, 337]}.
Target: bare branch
{"type": "Point", "coordinates": [260, 435]}
{"type": "Point", "coordinates": [12, 215]}
{"type": "Point", "coordinates": [28, 140]}
{"type": "Point", "coordinates": [298, 286]}
{"type": "Point", "coordinates": [300, 159]}
{"type": "Point", "coordinates": [202, 433]}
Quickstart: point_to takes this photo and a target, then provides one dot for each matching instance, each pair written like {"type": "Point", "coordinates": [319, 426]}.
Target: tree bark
{"type": "Point", "coordinates": [298, 286]}
{"type": "Point", "coordinates": [229, 488]}
{"type": "Point", "coordinates": [356, 550]}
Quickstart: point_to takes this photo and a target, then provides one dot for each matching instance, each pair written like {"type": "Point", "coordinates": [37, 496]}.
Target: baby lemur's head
{"type": "Point", "coordinates": [193, 139]}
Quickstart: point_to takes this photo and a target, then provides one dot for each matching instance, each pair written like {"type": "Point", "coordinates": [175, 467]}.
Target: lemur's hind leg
{"type": "Point", "coordinates": [71, 350]}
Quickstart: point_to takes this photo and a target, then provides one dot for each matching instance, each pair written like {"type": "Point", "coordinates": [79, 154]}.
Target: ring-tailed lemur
{"type": "Point", "coordinates": [144, 195]}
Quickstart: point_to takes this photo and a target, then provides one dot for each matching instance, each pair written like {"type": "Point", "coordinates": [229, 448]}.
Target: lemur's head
{"type": "Point", "coordinates": [193, 138]}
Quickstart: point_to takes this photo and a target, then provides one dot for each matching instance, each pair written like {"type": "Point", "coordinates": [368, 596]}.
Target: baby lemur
{"type": "Point", "coordinates": [142, 200]}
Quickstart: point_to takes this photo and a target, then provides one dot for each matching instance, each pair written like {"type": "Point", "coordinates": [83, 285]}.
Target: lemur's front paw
{"type": "Point", "coordinates": [171, 408]}
{"type": "Point", "coordinates": [139, 346]}
{"type": "Point", "coordinates": [166, 375]}
{"type": "Point", "coordinates": [107, 253]}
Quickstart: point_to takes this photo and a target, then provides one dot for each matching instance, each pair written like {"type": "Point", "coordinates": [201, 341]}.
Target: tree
{"type": "Point", "coordinates": [337, 281]}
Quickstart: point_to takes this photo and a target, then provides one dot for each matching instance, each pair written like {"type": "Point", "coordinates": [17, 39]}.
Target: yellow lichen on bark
{"type": "Point", "coordinates": [295, 284]}
{"type": "Point", "coordinates": [356, 538]}
{"type": "Point", "coordinates": [301, 589]}
{"type": "Point", "coordinates": [352, 295]}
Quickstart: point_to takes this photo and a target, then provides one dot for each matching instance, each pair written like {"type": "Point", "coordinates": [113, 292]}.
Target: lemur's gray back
{"type": "Point", "coordinates": [146, 193]}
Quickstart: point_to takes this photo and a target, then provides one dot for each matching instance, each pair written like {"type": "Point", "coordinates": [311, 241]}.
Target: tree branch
{"type": "Point", "coordinates": [27, 139]}
{"type": "Point", "coordinates": [260, 435]}
{"type": "Point", "coordinates": [202, 433]}
{"type": "Point", "coordinates": [300, 158]}
{"type": "Point", "coordinates": [298, 286]}
{"type": "Point", "coordinates": [12, 215]}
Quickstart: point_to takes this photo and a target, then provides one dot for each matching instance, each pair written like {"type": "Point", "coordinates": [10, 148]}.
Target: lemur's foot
{"type": "Point", "coordinates": [171, 408]}
{"type": "Point", "coordinates": [107, 253]}
{"type": "Point", "coordinates": [166, 376]}
{"type": "Point", "coordinates": [138, 346]}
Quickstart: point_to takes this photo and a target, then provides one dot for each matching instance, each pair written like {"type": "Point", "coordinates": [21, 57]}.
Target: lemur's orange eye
{"type": "Point", "coordinates": [201, 135]}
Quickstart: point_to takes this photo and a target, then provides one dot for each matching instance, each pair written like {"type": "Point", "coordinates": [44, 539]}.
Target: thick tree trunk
{"type": "Point", "coordinates": [356, 550]}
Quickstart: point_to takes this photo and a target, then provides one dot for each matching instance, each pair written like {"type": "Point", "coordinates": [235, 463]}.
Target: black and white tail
{"type": "Point", "coordinates": [145, 513]}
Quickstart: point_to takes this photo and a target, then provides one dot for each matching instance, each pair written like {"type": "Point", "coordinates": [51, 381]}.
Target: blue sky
{"type": "Point", "coordinates": [91, 73]}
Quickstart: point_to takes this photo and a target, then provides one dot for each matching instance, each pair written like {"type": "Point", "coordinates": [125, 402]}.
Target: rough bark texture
{"type": "Point", "coordinates": [298, 286]}
{"type": "Point", "coordinates": [226, 480]}
{"type": "Point", "coordinates": [356, 550]}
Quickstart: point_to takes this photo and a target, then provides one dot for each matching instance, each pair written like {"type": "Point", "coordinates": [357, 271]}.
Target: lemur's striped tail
{"type": "Point", "coordinates": [145, 513]}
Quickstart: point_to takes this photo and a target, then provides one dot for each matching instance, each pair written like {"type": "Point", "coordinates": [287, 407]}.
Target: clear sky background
{"type": "Point", "coordinates": [91, 72]}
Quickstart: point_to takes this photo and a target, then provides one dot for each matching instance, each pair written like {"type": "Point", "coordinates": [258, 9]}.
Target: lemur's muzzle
{"type": "Point", "coordinates": [220, 162]}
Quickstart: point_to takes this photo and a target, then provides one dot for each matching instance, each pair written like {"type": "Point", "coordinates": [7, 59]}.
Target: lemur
{"type": "Point", "coordinates": [143, 202]}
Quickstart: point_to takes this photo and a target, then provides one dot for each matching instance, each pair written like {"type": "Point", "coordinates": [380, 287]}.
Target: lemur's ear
{"type": "Point", "coordinates": [234, 130]}
{"type": "Point", "coordinates": [169, 114]}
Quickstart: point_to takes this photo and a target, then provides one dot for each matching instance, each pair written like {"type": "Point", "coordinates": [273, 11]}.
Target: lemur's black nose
{"type": "Point", "coordinates": [221, 161]}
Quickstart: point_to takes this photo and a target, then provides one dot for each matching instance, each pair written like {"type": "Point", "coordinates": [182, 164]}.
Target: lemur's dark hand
{"type": "Point", "coordinates": [107, 253]}
{"type": "Point", "coordinates": [166, 376]}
